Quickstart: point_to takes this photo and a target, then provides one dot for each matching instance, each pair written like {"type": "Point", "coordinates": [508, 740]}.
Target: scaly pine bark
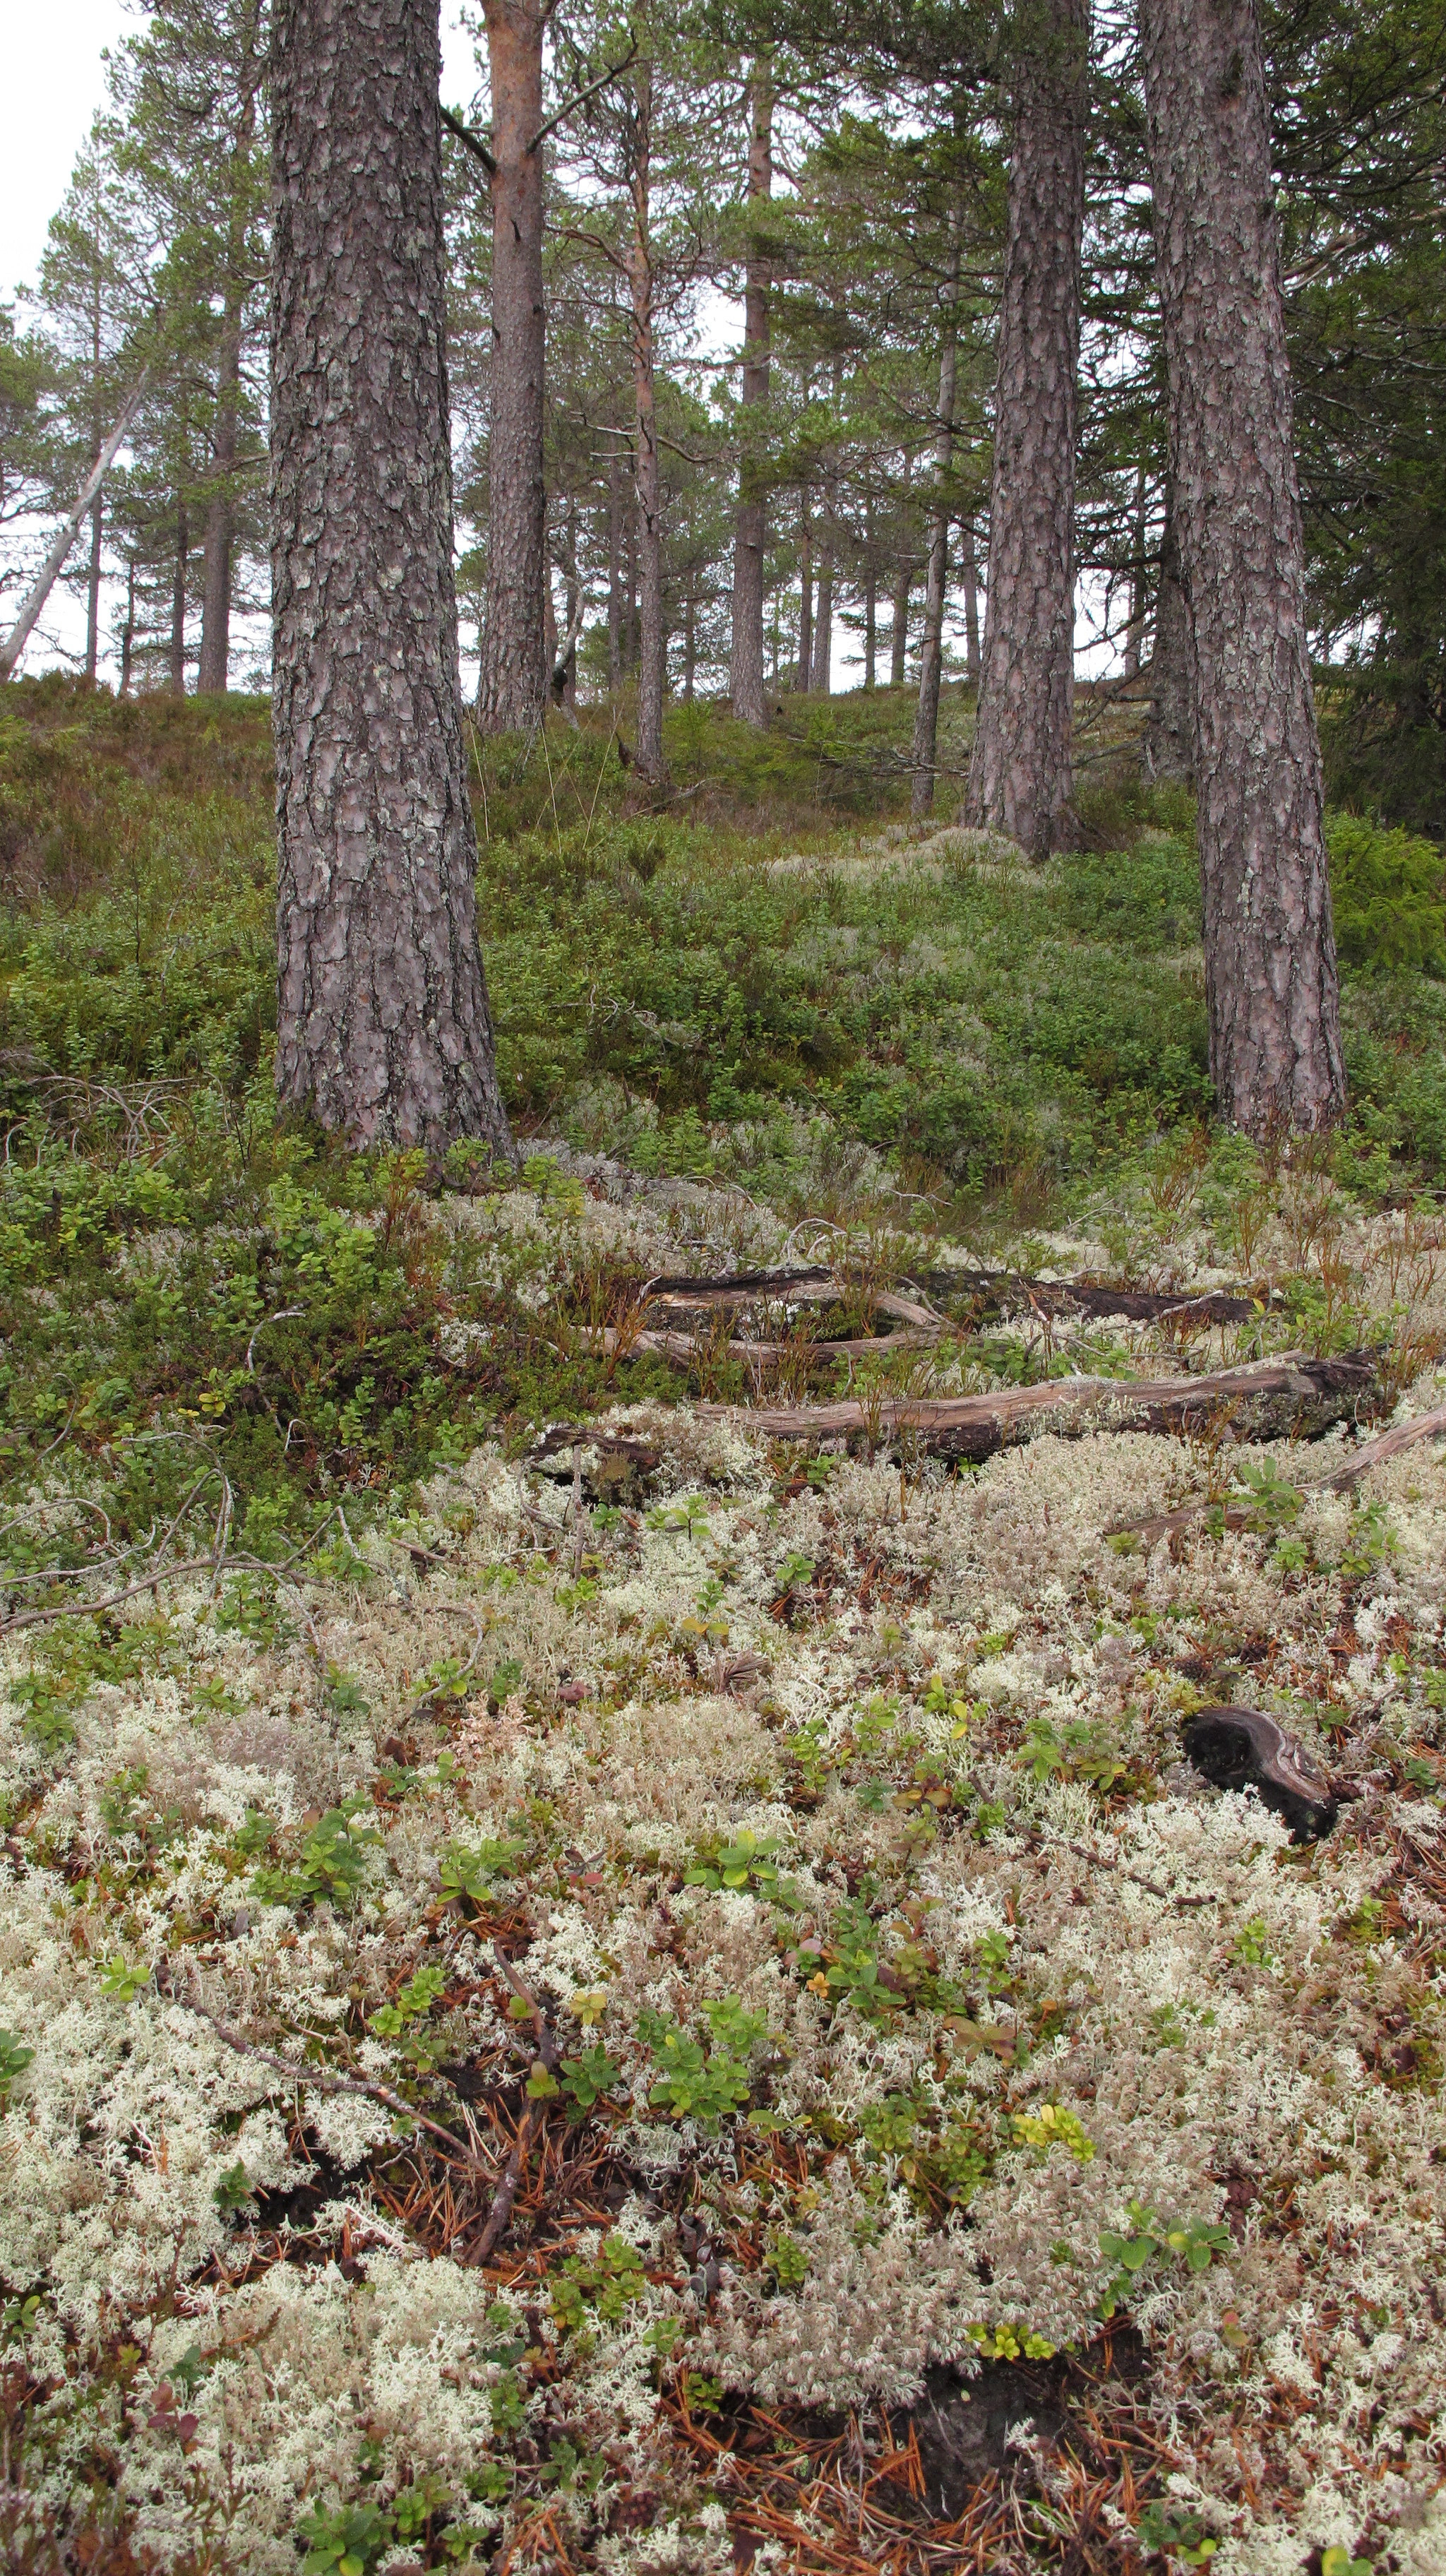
{"type": "Point", "coordinates": [1270, 963]}
{"type": "Point", "coordinates": [384, 1032]}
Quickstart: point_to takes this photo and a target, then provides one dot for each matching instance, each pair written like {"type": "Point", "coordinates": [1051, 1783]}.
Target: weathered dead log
{"type": "Point", "coordinates": [811, 1287]}
{"type": "Point", "coordinates": [1240, 1748]}
{"type": "Point", "coordinates": [1268, 1400]}
{"type": "Point", "coordinates": [1241, 1514]}
{"type": "Point", "coordinates": [1008, 1292]}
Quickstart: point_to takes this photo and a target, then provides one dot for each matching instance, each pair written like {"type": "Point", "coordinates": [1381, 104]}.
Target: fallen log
{"type": "Point", "coordinates": [1241, 1515]}
{"type": "Point", "coordinates": [1238, 1748]}
{"type": "Point", "coordinates": [810, 1287]}
{"type": "Point", "coordinates": [1008, 1292]}
{"type": "Point", "coordinates": [1267, 1400]}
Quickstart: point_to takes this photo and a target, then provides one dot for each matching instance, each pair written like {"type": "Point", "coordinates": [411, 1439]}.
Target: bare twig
{"type": "Point", "coordinates": [500, 2214]}
{"type": "Point", "coordinates": [321, 2082]}
{"type": "Point", "coordinates": [1372, 1453]}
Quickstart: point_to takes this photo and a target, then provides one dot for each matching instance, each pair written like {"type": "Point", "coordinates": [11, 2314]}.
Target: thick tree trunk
{"type": "Point", "coordinates": [931, 659]}
{"type": "Point", "coordinates": [805, 596]}
{"type": "Point", "coordinates": [871, 628]}
{"type": "Point", "coordinates": [615, 570]}
{"type": "Point", "coordinates": [178, 603]}
{"type": "Point", "coordinates": [630, 545]}
{"type": "Point", "coordinates": [513, 684]}
{"type": "Point", "coordinates": [1020, 777]}
{"type": "Point", "coordinates": [653, 642]}
{"type": "Point", "coordinates": [1270, 963]}
{"type": "Point", "coordinates": [92, 588]}
{"type": "Point", "coordinates": [1169, 743]}
{"type": "Point", "coordinates": [383, 1026]}
{"type": "Point", "coordinates": [751, 536]}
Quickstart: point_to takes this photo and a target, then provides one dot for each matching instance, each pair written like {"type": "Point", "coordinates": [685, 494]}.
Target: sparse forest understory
{"type": "Point", "coordinates": [591, 1982]}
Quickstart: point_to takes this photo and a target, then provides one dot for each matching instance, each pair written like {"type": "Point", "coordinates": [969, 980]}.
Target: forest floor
{"type": "Point", "coordinates": [594, 1978]}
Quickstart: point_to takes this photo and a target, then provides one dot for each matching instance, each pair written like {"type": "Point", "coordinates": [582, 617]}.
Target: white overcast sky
{"type": "Point", "coordinates": [52, 80]}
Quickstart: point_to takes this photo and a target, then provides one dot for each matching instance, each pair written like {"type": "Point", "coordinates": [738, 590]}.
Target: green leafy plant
{"type": "Point", "coordinates": [1192, 2241]}
{"type": "Point", "coordinates": [1053, 2126]}
{"type": "Point", "coordinates": [475, 1869]}
{"type": "Point", "coordinates": [233, 2190]}
{"type": "Point", "coordinates": [14, 2058]}
{"type": "Point", "coordinates": [1251, 1945]}
{"type": "Point", "coordinates": [331, 1864]}
{"type": "Point", "coordinates": [1163, 2533]}
{"type": "Point", "coordinates": [697, 2082]}
{"type": "Point", "coordinates": [604, 2284]}
{"type": "Point", "coordinates": [346, 2541]}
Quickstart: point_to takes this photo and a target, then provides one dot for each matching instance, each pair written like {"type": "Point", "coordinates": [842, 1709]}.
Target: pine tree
{"type": "Point", "coordinates": [1270, 965]}
{"type": "Point", "coordinates": [384, 1032]}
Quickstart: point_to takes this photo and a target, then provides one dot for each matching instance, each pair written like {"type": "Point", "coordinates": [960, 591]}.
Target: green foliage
{"type": "Point", "coordinates": [14, 2058]}
{"type": "Point", "coordinates": [345, 2542]}
{"type": "Point", "coordinates": [1388, 897]}
{"type": "Point", "coordinates": [1169, 2532]}
{"type": "Point", "coordinates": [748, 1862]}
{"type": "Point", "coordinates": [475, 1869]}
{"type": "Point", "coordinates": [1191, 2241]}
{"type": "Point", "coordinates": [234, 2189]}
{"type": "Point", "coordinates": [697, 2082]}
{"type": "Point", "coordinates": [331, 1864]}
{"type": "Point", "coordinates": [604, 2285]}
{"type": "Point", "coordinates": [1053, 2126]}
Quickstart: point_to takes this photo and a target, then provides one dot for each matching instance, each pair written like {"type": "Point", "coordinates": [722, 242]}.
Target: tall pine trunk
{"type": "Point", "coordinates": [969, 573]}
{"type": "Point", "coordinates": [805, 596]}
{"type": "Point", "coordinates": [215, 663]}
{"type": "Point", "coordinates": [615, 569]}
{"type": "Point", "coordinates": [128, 631]}
{"type": "Point", "coordinates": [215, 666]}
{"type": "Point", "coordinates": [178, 602]}
{"type": "Point", "coordinates": [1270, 965]}
{"type": "Point", "coordinates": [931, 661]}
{"type": "Point", "coordinates": [751, 534]}
{"type": "Point", "coordinates": [513, 685]}
{"type": "Point", "coordinates": [1169, 743]}
{"type": "Point", "coordinates": [383, 1027]}
{"type": "Point", "coordinates": [903, 584]}
{"type": "Point", "coordinates": [1020, 776]}
{"type": "Point", "coordinates": [652, 639]}
{"type": "Point", "coordinates": [92, 586]}
{"type": "Point", "coordinates": [823, 616]}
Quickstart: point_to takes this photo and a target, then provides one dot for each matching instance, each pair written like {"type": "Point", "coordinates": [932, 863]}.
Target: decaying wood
{"type": "Point", "coordinates": [810, 1287]}
{"type": "Point", "coordinates": [1239, 1515]}
{"type": "Point", "coordinates": [1240, 1748]}
{"type": "Point", "coordinates": [1267, 1400]}
{"type": "Point", "coordinates": [1008, 1292]}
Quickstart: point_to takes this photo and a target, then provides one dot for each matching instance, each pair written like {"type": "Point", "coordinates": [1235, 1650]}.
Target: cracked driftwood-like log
{"type": "Point", "coordinates": [1008, 1292]}
{"type": "Point", "coordinates": [1268, 1400]}
{"type": "Point", "coordinates": [1240, 1748]}
{"type": "Point", "coordinates": [1239, 1515]}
